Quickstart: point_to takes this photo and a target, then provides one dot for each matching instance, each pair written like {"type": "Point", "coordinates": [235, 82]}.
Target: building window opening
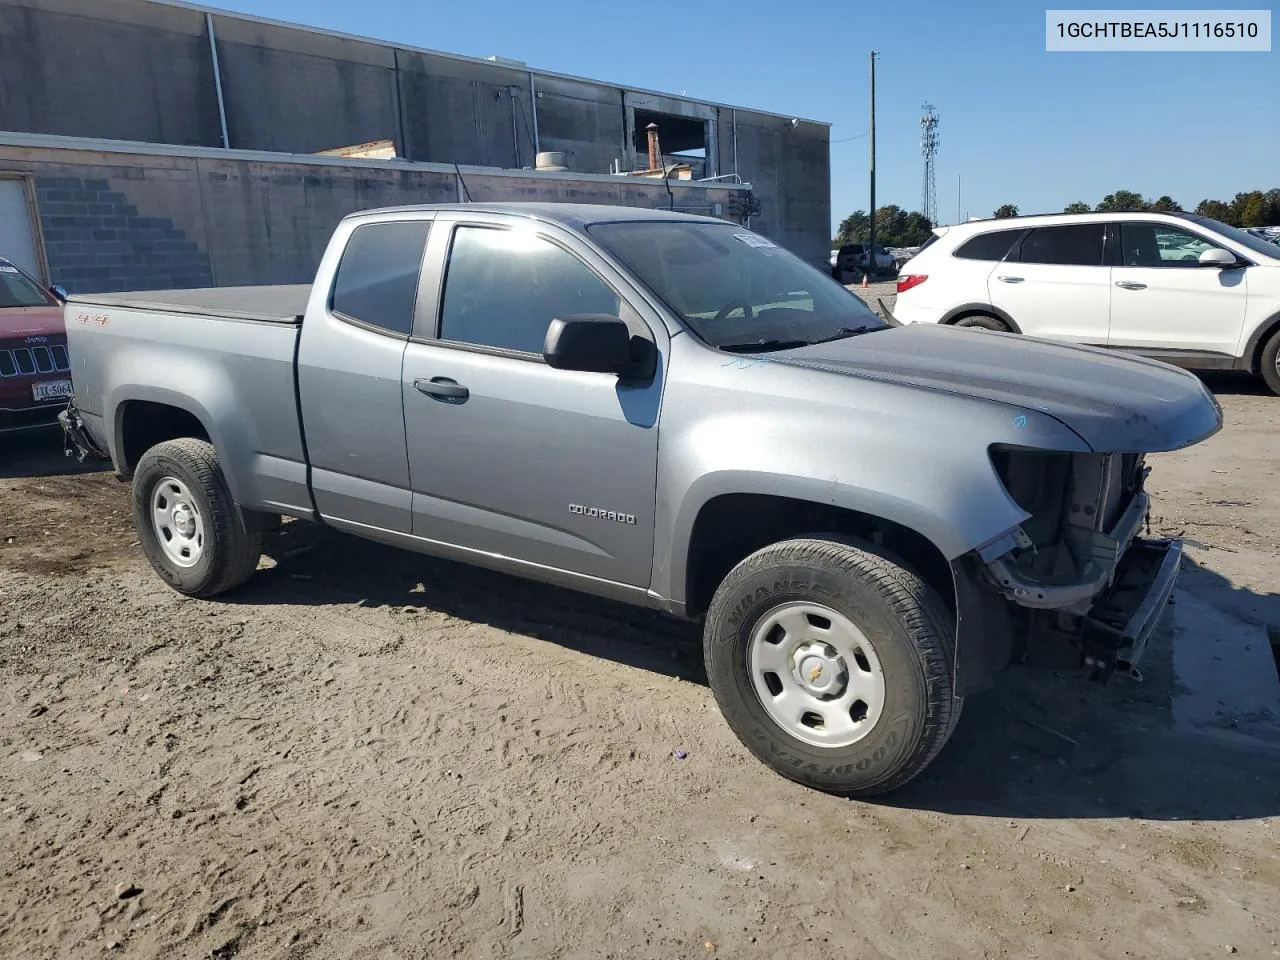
{"type": "Point", "coordinates": [678, 140]}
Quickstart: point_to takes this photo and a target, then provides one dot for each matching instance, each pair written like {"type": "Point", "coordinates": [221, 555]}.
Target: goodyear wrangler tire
{"type": "Point", "coordinates": [190, 528]}
{"type": "Point", "coordinates": [832, 663]}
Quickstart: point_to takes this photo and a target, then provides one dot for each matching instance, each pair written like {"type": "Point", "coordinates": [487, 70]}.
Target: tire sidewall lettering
{"type": "Point", "coordinates": [914, 683]}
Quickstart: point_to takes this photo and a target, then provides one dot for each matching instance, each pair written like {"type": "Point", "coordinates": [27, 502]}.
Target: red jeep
{"type": "Point", "coordinates": [35, 371]}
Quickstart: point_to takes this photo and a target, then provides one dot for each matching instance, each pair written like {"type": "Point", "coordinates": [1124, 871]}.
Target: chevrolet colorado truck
{"type": "Point", "coordinates": [868, 520]}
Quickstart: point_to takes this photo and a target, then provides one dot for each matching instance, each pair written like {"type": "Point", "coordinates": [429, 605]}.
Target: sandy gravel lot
{"type": "Point", "coordinates": [370, 754]}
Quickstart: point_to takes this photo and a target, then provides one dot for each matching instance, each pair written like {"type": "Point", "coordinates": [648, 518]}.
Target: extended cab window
{"type": "Point", "coordinates": [1159, 245]}
{"type": "Point", "coordinates": [988, 246]}
{"type": "Point", "coordinates": [504, 287]}
{"type": "Point", "coordinates": [377, 281]}
{"type": "Point", "coordinates": [1076, 244]}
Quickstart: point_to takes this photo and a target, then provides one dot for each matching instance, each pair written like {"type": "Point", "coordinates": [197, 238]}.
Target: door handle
{"type": "Point", "coordinates": [1131, 285]}
{"type": "Point", "coordinates": [1011, 279]}
{"type": "Point", "coordinates": [442, 388]}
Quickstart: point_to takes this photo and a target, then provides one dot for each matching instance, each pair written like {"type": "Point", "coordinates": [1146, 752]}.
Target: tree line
{"type": "Point", "coordinates": [1254, 208]}
{"type": "Point", "coordinates": [896, 227]}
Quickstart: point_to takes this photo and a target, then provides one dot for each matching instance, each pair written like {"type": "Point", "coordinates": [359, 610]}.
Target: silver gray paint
{"type": "Point", "coordinates": [498, 472]}
{"type": "Point", "coordinates": [234, 376]}
{"type": "Point", "coordinates": [349, 389]}
{"type": "Point", "coordinates": [896, 424]}
{"type": "Point", "coordinates": [284, 303]}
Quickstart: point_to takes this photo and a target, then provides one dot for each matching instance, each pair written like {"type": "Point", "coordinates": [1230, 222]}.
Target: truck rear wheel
{"type": "Point", "coordinates": [191, 530]}
{"type": "Point", "coordinates": [832, 663]}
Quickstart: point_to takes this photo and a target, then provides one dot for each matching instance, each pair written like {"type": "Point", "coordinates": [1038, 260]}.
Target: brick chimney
{"type": "Point", "coordinates": [655, 152]}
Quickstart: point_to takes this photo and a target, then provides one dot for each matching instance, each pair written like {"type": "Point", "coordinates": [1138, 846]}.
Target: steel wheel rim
{"type": "Point", "coordinates": [816, 674]}
{"type": "Point", "coordinates": [177, 523]}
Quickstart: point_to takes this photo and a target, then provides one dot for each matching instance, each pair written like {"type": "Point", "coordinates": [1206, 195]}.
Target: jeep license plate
{"type": "Point", "coordinates": [51, 390]}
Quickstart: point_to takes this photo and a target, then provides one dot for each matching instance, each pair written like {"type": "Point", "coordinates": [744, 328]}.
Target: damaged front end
{"type": "Point", "coordinates": [77, 441]}
{"type": "Point", "coordinates": [1076, 574]}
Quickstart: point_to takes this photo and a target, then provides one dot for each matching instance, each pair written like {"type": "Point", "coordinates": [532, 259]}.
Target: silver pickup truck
{"type": "Point", "coordinates": [870, 521]}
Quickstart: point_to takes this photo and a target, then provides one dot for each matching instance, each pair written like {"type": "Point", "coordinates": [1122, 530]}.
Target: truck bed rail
{"type": "Point", "coordinates": [266, 304]}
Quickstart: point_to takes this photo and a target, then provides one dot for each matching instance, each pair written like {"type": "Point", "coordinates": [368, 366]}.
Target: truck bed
{"type": "Point", "coordinates": [268, 304]}
{"type": "Point", "coordinates": [228, 352]}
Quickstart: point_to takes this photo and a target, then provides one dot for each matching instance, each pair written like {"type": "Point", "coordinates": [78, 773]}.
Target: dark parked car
{"type": "Point", "coordinates": [852, 261]}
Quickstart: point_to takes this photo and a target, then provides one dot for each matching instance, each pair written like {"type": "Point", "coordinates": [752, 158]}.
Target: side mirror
{"type": "Point", "coordinates": [593, 343]}
{"type": "Point", "coordinates": [59, 292]}
{"type": "Point", "coordinates": [1217, 257]}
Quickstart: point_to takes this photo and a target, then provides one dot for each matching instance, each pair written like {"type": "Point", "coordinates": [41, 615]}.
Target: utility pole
{"type": "Point", "coordinates": [871, 235]}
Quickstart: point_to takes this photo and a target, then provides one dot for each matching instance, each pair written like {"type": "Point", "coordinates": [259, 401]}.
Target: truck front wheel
{"type": "Point", "coordinates": [190, 528]}
{"type": "Point", "coordinates": [832, 662]}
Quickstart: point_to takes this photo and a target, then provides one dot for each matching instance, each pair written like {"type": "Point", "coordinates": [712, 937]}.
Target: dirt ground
{"type": "Point", "coordinates": [365, 753]}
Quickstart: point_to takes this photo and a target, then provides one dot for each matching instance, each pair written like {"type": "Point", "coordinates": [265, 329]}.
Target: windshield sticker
{"type": "Point", "coordinates": [752, 240]}
{"type": "Point", "coordinates": [5, 268]}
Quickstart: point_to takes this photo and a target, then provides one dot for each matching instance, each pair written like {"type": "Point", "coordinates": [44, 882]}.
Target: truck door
{"type": "Point", "coordinates": [508, 456]}
{"type": "Point", "coordinates": [350, 356]}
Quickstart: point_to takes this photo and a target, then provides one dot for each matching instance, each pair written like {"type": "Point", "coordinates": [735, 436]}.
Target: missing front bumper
{"type": "Point", "coordinates": [1122, 620]}
{"type": "Point", "coordinates": [76, 441]}
{"type": "Point", "coordinates": [1107, 551]}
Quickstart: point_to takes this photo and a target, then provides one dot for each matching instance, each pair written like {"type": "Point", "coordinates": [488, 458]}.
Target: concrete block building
{"type": "Point", "coordinates": [148, 144]}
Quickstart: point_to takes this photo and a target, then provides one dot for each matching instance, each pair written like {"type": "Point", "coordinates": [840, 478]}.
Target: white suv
{"type": "Point", "coordinates": [1177, 287]}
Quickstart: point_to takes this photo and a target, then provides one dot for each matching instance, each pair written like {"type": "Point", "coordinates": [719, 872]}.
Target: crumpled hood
{"type": "Point", "coordinates": [16, 322]}
{"type": "Point", "coordinates": [1115, 403]}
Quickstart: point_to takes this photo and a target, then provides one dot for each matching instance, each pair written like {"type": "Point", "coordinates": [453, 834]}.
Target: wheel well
{"type": "Point", "coordinates": [144, 423]}
{"type": "Point", "coordinates": [1255, 358]}
{"type": "Point", "coordinates": [984, 311]}
{"type": "Point", "coordinates": [730, 528]}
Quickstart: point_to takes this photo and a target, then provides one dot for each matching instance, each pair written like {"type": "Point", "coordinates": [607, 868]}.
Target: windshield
{"type": "Point", "coordinates": [1254, 243]}
{"type": "Point", "coordinates": [18, 290]}
{"type": "Point", "coordinates": [735, 289]}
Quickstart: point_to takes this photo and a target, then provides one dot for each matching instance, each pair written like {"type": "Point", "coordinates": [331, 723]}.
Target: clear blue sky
{"type": "Point", "coordinates": [1019, 125]}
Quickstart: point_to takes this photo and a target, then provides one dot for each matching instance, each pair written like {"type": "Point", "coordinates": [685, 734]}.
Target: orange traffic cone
{"type": "Point", "coordinates": [864, 281]}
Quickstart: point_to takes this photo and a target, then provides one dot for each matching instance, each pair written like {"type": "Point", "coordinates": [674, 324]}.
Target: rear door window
{"type": "Point", "coordinates": [988, 246]}
{"type": "Point", "coordinates": [1075, 244]}
{"type": "Point", "coordinates": [377, 280]}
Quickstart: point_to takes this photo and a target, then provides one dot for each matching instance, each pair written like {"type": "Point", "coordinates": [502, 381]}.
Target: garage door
{"type": "Point", "coordinates": [17, 238]}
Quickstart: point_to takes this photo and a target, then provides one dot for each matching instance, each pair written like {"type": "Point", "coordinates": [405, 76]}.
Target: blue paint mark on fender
{"type": "Point", "coordinates": [745, 363]}
{"type": "Point", "coordinates": [1019, 422]}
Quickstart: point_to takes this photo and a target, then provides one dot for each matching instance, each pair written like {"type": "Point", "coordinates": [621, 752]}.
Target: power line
{"type": "Point", "coordinates": [848, 139]}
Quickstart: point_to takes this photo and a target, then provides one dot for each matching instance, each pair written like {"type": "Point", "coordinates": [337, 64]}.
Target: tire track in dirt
{"type": "Point", "coordinates": [401, 757]}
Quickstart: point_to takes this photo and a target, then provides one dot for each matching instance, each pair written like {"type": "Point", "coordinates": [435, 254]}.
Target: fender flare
{"type": "Point", "coordinates": [186, 403]}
